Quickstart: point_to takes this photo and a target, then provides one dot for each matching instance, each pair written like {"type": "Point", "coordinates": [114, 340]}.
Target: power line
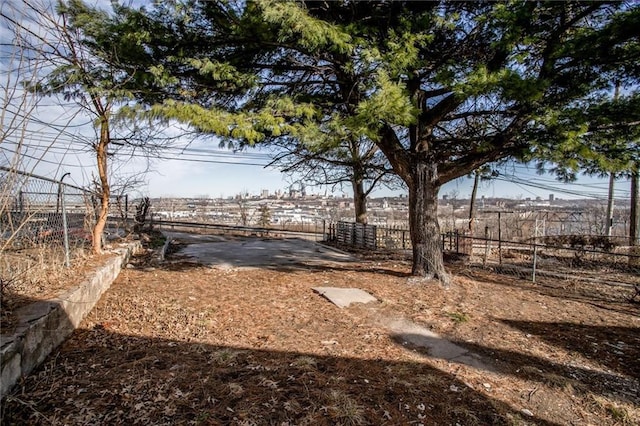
{"type": "Point", "coordinates": [189, 151]}
{"type": "Point", "coordinates": [41, 159]}
{"type": "Point", "coordinates": [518, 181]}
{"type": "Point", "coordinates": [134, 155]}
{"type": "Point", "coordinates": [204, 161]}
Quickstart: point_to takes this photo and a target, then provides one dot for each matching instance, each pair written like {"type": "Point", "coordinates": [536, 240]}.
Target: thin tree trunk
{"type": "Point", "coordinates": [359, 200]}
{"type": "Point", "coordinates": [423, 221]}
{"type": "Point", "coordinates": [105, 190]}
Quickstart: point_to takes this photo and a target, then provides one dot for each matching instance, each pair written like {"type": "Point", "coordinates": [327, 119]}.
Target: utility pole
{"type": "Point", "coordinates": [634, 228]}
{"type": "Point", "coordinates": [609, 218]}
{"type": "Point", "coordinates": [472, 206]}
{"type": "Point", "coordinates": [612, 177]}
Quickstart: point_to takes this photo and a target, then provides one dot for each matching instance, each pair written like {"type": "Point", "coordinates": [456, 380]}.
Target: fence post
{"type": "Point", "coordinates": [375, 237]}
{"type": "Point", "coordinates": [126, 210]}
{"type": "Point", "coordinates": [486, 245]}
{"type": "Point", "coordinates": [65, 231]}
{"type": "Point", "coordinates": [500, 238]}
{"type": "Point", "coordinates": [403, 240]}
{"type": "Point", "coordinates": [21, 201]}
{"type": "Point", "coordinates": [535, 253]}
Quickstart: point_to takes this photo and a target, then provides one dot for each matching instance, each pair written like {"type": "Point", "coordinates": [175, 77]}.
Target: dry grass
{"type": "Point", "coordinates": [37, 273]}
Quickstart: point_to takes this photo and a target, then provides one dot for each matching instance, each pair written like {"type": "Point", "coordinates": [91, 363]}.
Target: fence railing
{"type": "Point", "coordinates": [618, 264]}
{"type": "Point", "coordinates": [366, 236]}
{"type": "Point", "coordinates": [569, 257]}
{"type": "Point", "coordinates": [194, 226]}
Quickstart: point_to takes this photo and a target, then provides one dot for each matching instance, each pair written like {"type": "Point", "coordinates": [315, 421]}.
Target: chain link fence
{"type": "Point", "coordinates": [38, 211]}
{"type": "Point", "coordinates": [45, 227]}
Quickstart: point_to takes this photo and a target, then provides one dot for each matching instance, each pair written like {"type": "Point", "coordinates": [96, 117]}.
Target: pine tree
{"type": "Point", "coordinates": [440, 87]}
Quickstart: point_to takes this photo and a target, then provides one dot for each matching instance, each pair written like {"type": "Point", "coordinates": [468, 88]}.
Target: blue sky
{"type": "Point", "coordinates": [52, 157]}
{"type": "Point", "coordinates": [175, 178]}
{"type": "Point", "coordinates": [54, 140]}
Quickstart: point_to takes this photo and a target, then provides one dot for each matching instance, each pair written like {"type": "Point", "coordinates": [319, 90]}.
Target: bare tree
{"type": "Point", "coordinates": [18, 122]}
{"type": "Point", "coordinates": [81, 77]}
{"type": "Point", "coordinates": [356, 161]}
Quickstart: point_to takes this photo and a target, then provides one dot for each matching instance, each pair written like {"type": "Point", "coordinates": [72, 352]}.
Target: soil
{"type": "Point", "coordinates": [182, 343]}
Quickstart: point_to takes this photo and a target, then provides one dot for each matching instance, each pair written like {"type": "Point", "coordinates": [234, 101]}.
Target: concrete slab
{"type": "Point", "coordinates": [344, 297]}
{"type": "Point", "coordinates": [407, 332]}
{"type": "Point", "coordinates": [255, 252]}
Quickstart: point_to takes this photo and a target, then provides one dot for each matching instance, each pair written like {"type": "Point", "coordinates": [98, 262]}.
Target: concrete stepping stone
{"type": "Point", "coordinates": [410, 333]}
{"type": "Point", "coordinates": [405, 331]}
{"type": "Point", "coordinates": [344, 297]}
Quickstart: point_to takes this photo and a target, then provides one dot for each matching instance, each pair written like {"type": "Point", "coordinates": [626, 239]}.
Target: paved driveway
{"type": "Point", "coordinates": [237, 252]}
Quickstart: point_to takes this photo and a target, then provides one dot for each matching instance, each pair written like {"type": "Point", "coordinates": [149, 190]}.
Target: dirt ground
{"type": "Point", "coordinates": [183, 343]}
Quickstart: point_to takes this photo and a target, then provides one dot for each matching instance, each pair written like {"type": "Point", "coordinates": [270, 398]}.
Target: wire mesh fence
{"type": "Point", "coordinates": [544, 257]}
{"type": "Point", "coordinates": [45, 226]}
{"type": "Point", "coordinates": [36, 212]}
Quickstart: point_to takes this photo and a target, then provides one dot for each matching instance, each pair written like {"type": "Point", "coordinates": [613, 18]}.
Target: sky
{"type": "Point", "coordinates": [184, 179]}
{"type": "Point", "coordinates": [53, 137]}
{"type": "Point", "coordinates": [205, 170]}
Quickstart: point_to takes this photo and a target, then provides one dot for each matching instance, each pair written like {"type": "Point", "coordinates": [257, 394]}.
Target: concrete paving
{"type": "Point", "coordinates": [344, 297]}
{"type": "Point", "coordinates": [254, 252]}
{"type": "Point", "coordinates": [409, 333]}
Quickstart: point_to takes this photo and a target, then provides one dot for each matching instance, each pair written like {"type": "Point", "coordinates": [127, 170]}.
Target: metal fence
{"type": "Point", "coordinates": [37, 211]}
{"type": "Point", "coordinates": [354, 234]}
{"type": "Point", "coordinates": [586, 257]}
{"type": "Point", "coordinates": [361, 235]}
{"type": "Point", "coordinates": [42, 217]}
{"type": "Point", "coordinates": [590, 258]}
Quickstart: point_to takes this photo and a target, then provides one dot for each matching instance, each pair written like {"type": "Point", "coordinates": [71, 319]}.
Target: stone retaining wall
{"type": "Point", "coordinates": [43, 325]}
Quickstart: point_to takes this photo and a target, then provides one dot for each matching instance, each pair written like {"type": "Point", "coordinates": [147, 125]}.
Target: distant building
{"type": "Point", "coordinates": [551, 198]}
{"type": "Point", "coordinates": [264, 193]}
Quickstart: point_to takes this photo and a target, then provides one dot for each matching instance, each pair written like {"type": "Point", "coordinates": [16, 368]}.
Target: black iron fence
{"type": "Point", "coordinates": [360, 235]}
{"type": "Point", "coordinates": [354, 234]}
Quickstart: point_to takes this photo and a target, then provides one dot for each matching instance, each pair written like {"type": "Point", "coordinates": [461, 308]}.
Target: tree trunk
{"type": "Point", "coordinates": [423, 222]}
{"type": "Point", "coordinates": [359, 200]}
{"type": "Point", "coordinates": [105, 190]}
